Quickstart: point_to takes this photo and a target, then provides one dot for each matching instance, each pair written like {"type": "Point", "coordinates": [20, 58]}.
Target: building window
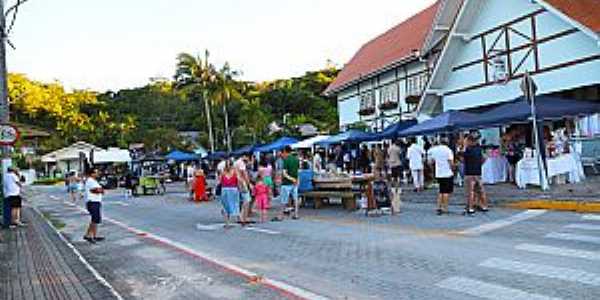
{"type": "Point", "coordinates": [416, 85]}
{"type": "Point", "coordinates": [388, 96]}
{"type": "Point", "coordinates": [367, 103]}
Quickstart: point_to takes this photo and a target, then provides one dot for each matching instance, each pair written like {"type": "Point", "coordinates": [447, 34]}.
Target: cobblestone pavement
{"type": "Point", "coordinates": [141, 269]}
{"type": "Point", "coordinates": [36, 264]}
{"type": "Point", "coordinates": [504, 254]}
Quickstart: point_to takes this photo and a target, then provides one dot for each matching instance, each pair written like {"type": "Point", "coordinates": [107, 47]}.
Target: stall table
{"type": "Point", "coordinates": [332, 187]}
{"type": "Point", "coordinates": [566, 164]}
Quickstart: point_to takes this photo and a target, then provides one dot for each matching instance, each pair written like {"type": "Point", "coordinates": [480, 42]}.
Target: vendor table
{"type": "Point", "coordinates": [566, 164]}
{"type": "Point", "coordinates": [494, 170]}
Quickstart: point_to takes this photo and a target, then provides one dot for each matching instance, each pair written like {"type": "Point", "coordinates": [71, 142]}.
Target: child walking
{"type": "Point", "coordinates": [262, 195]}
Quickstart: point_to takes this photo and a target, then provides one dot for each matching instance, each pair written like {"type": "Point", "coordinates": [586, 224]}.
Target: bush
{"type": "Point", "coordinates": [48, 181]}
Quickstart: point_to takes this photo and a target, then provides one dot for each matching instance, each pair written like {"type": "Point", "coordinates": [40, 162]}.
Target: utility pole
{"type": "Point", "coordinates": [4, 110]}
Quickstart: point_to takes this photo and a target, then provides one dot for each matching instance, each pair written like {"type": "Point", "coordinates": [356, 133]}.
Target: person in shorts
{"type": "Point", "coordinates": [443, 157]}
{"type": "Point", "coordinates": [289, 183]}
{"type": "Point", "coordinates": [93, 202]}
{"type": "Point", "coordinates": [395, 162]}
{"type": "Point", "coordinates": [12, 191]}
{"type": "Point", "coordinates": [473, 157]}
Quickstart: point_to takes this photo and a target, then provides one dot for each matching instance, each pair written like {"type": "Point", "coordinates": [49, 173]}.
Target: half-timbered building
{"type": "Point", "coordinates": [385, 79]}
{"type": "Point", "coordinates": [492, 43]}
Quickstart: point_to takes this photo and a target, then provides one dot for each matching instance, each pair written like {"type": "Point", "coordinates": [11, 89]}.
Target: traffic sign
{"type": "Point", "coordinates": [9, 134]}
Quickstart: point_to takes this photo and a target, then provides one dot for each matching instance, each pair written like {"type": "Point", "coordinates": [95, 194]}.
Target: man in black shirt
{"type": "Point", "coordinates": [473, 158]}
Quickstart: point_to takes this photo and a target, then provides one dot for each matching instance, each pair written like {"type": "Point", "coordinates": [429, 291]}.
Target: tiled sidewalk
{"type": "Point", "coordinates": [36, 264]}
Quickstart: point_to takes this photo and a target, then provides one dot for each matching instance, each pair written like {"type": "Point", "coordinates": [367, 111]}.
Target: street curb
{"type": "Point", "coordinates": [556, 205]}
{"type": "Point", "coordinates": [88, 266]}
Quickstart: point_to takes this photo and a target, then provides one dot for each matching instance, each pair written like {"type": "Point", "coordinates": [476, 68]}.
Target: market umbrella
{"type": "Point", "coordinates": [279, 144]}
{"type": "Point", "coordinates": [449, 121]}
{"type": "Point", "coordinates": [547, 108]}
{"type": "Point", "coordinates": [392, 131]}
{"type": "Point", "coordinates": [177, 155]}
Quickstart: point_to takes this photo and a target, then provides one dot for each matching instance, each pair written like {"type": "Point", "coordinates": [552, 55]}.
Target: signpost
{"type": "Point", "coordinates": [529, 89]}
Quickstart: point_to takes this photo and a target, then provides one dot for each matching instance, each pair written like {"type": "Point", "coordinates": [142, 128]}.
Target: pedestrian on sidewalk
{"type": "Point", "coordinates": [395, 162]}
{"type": "Point", "coordinates": [199, 186]}
{"type": "Point", "coordinates": [262, 195]}
{"type": "Point", "coordinates": [415, 155]}
{"type": "Point", "coordinates": [73, 182]}
{"type": "Point", "coordinates": [230, 195]}
{"type": "Point", "coordinates": [93, 199]}
{"type": "Point", "coordinates": [245, 187]}
{"type": "Point", "coordinates": [443, 158]}
{"type": "Point", "coordinates": [473, 159]}
{"type": "Point", "coordinates": [289, 183]}
{"type": "Point", "coordinates": [12, 193]}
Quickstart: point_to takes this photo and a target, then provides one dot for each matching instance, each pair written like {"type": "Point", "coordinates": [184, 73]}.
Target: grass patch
{"type": "Point", "coordinates": [58, 224]}
{"type": "Point", "coordinates": [48, 181]}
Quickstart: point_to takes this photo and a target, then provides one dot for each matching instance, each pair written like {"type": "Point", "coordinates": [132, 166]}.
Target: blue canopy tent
{"type": "Point", "coordinates": [446, 122]}
{"type": "Point", "coordinates": [218, 155]}
{"type": "Point", "coordinates": [177, 155]}
{"type": "Point", "coordinates": [392, 131]}
{"type": "Point", "coordinates": [547, 108]}
{"type": "Point", "coordinates": [278, 144]}
{"type": "Point", "coordinates": [350, 136]}
{"type": "Point", "coordinates": [244, 150]}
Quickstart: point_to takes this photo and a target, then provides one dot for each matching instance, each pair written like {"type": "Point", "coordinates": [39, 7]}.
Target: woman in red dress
{"type": "Point", "coordinates": [199, 186]}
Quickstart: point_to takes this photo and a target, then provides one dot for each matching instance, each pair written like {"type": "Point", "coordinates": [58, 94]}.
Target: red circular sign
{"type": "Point", "coordinates": [9, 134]}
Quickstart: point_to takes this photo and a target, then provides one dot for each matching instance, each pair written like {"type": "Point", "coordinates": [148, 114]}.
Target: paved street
{"type": "Point", "coordinates": [503, 254]}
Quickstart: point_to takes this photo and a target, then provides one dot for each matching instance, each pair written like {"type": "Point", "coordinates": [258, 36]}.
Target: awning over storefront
{"type": "Point", "coordinates": [547, 108]}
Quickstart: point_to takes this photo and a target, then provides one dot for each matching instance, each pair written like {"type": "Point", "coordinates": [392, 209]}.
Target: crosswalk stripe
{"type": "Point", "coordinates": [591, 217]}
{"type": "Point", "coordinates": [565, 274]}
{"type": "Point", "coordinates": [574, 237]}
{"type": "Point", "coordinates": [591, 255]}
{"type": "Point", "coordinates": [583, 226]}
{"type": "Point", "coordinates": [532, 213]}
{"type": "Point", "coordinates": [487, 290]}
{"type": "Point", "coordinates": [262, 230]}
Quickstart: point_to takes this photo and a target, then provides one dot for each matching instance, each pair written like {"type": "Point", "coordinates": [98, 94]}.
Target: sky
{"type": "Point", "coordinates": [115, 44]}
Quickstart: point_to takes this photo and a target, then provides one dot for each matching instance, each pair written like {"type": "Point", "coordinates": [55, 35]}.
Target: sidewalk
{"type": "Point", "coordinates": [35, 263]}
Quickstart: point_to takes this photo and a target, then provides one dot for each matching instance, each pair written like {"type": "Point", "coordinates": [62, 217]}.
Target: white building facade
{"type": "Point", "coordinates": [492, 43]}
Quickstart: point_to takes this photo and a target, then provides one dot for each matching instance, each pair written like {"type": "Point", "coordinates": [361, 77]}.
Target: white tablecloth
{"type": "Point", "coordinates": [494, 170]}
{"type": "Point", "coordinates": [568, 164]}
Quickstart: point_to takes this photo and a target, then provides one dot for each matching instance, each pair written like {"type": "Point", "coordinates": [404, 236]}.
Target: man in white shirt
{"type": "Point", "coordinates": [12, 193]}
{"type": "Point", "coordinates": [415, 155]}
{"type": "Point", "coordinates": [444, 163]}
{"type": "Point", "coordinates": [395, 163]}
{"type": "Point", "coordinates": [93, 201]}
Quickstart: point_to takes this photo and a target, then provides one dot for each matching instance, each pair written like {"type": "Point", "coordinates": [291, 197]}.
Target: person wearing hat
{"type": "Point", "coordinates": [443, 159]}
{"type": "Point", "coordinates": [473, 157]}
{"type": "Point", "coordinates": [12, 192]}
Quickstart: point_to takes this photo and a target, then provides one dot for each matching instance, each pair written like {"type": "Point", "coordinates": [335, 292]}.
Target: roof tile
{"type": "Point", "coordinates": [394, 45]}
{"type": "Point", "coordinates": [586, 12]}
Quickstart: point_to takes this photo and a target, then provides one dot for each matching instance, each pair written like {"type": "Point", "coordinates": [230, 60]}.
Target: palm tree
{"type": "Point", "coordinates": [227, 89]}
{"type": "Point", "coordinates": [195, 72]}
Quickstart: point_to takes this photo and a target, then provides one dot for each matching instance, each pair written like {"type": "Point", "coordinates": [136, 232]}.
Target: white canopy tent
{"type": "Point", "coordinates": [112, 155]}
{"type": "Point", "coordinates": [70, 152]}
{"type": "Point", "coordinates": [309, 143]}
